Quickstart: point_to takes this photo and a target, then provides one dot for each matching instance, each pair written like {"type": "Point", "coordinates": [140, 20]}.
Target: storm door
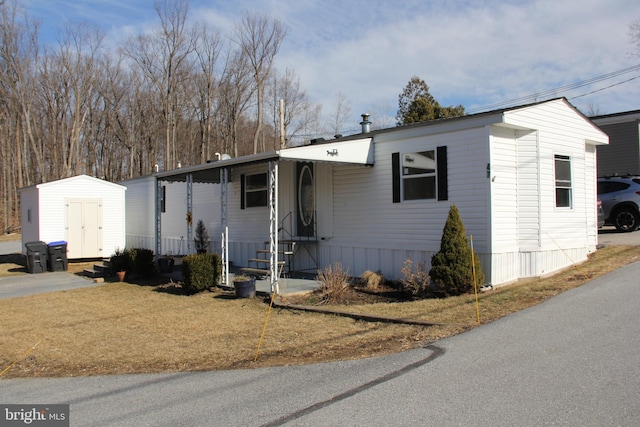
{"type": "Point", "coordinates": [305, 200]}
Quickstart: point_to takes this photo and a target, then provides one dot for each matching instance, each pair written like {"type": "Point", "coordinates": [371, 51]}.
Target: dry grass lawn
{"type": "Point", "coordinates": [124, 328]}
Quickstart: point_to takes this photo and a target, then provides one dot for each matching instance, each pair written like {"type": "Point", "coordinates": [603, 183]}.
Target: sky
{"type": "Point", "coordinates": [482, 54]}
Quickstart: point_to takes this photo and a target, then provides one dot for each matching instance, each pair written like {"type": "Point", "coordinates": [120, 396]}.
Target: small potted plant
{"type": "Point", "coordinates": [120, 263]}
{"type": "Point", "coordinates": [201, 240]}
{"type": "Point", "coordinates": [245, 286]}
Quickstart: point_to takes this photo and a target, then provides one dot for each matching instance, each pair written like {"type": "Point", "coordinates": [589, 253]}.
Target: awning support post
{"type": "Point", "coordinates": [224, 249]}
{"type": "Point", "coordinates": [189, 179]}
{"type": "Point", "coordinates": [158, 215]}
{"type": "Point", "coordinates": [274, 271]}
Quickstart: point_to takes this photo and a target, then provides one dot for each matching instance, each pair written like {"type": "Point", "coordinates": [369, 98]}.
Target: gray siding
{"type": "Point", "coordinates": [622, 155]}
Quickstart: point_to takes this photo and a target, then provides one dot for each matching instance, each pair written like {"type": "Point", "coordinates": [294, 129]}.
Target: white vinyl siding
{"type": "Point", "coordinates": [370, 231]}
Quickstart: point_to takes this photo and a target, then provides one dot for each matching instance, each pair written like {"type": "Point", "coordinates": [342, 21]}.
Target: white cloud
{"type": "Point", "coordinates": [474, 53]}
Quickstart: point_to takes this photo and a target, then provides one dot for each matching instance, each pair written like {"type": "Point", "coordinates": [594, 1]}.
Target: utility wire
{"type": "Point", "coordinates": [604, 88]}
{"type": "Point", "coordinates": [568, 87]}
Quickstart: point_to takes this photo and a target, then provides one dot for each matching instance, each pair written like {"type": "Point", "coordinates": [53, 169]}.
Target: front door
{"type": "Point", "coordinates": [305, 200]}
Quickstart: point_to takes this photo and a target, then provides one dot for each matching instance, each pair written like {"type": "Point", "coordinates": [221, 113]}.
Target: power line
{"type": "Point", "coordinates": [604, 88]}
{"type": "Point", "coordinates": [556, 91]}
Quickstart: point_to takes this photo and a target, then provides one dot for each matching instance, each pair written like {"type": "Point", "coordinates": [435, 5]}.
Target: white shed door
{"type": "Point", "coordinates": [84, 228]}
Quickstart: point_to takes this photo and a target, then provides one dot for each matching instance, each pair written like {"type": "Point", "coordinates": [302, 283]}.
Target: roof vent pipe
{"type": "Point", "coordinates": [365, 123]}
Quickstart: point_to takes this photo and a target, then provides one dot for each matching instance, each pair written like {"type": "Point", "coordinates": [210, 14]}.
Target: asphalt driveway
{"type": "Point", "coordinates": [30, 284]}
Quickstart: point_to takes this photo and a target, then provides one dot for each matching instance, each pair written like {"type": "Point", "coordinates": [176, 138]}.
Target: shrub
{"type": "Point", "coordinates": [143, 262]}
{"type": "Point", "coordinates": [201, 240]}
{"type": "Point", "coordinates": [451, 267]}
{"type": "Point", "coordinates": [120, 261]}
{"type": "Point", "coordinates": [200, 271]}
{"type": "Point", "coordinates": [334, 282]}
{"type": "Point", "coordinates": [372, 280]}
{"type": "Point", "coordinates": [415, 282]}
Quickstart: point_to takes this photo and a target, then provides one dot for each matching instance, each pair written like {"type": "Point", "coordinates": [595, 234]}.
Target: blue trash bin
{"type": "Point", "coordinates": [57, 256]}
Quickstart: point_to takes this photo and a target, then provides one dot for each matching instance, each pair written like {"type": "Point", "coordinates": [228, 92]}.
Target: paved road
{"type": "Point", "coordinates": [572, 360]}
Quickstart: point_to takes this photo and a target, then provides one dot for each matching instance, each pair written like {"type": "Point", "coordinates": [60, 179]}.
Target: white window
{"type": "Point", "coordinates": [419, 175]}
{"type": "Point", "coordinates": [563, 181]}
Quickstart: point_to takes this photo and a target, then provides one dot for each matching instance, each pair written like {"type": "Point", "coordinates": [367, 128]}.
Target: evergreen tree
{"type": "Point", "coordinates": [416, 104]}
{"type": "Point", "coordinates": [451, 267]}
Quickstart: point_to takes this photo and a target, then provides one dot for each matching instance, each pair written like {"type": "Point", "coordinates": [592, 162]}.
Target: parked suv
{"type": "Point", "coordinates": [620, 197]}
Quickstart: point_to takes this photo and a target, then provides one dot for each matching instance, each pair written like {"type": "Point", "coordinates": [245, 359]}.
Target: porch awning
{"type": "Point", "coordinates": [210, 172]}
{"type": "Point", "coordinates": [355, 152]}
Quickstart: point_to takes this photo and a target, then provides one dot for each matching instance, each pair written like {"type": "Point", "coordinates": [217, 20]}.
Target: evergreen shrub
{"type": "Point", "coordinates": [143, 262]}
{"type": "Point", "coordinates": [451, 267]}
{"type": "Point", "coordinates": [200, 271]}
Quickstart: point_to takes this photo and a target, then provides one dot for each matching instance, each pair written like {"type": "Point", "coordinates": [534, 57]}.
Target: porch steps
{"type": "Point", "coordinates": [101, 269]}
{"type": "Point", "coordinates": [286, 250]}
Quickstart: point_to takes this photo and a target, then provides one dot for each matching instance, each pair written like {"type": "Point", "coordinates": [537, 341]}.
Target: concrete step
{"type": "Point", "coordinates": [263, 261]}
{"type": "Point", "coordinates": [255, 271]}
{"type": "Point", "coordinates": [266, 251]}
{"type": "Point", "coordinates": [98, 270]}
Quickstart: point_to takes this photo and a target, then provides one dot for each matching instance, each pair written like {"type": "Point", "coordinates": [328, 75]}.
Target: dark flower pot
{"type": "Point", "coordinates": [245, 288]}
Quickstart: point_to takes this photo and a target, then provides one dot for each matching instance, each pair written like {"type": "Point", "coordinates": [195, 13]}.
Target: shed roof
{"type": "Point", "coordinates": [64, 181]}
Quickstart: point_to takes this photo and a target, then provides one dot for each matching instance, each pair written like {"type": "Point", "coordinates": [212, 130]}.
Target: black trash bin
{"type": "Point", "coordinates": [36, 257]}
{"type": "Point", "coordinates": [57, 256]}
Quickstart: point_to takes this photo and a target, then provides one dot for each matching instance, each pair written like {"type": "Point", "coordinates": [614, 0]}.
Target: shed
{"type": "Point", "coordinates": [523, 179]}
{"type": "Point", "coordinates": [86, 212]}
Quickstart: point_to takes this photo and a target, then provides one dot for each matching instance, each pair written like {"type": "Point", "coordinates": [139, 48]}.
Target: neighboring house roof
{"type": "Point", "coordinates": [622, 117]}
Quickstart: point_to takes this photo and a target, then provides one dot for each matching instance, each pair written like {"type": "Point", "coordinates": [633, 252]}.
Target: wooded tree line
{"type": "Point", "coordinates": [175, 95]}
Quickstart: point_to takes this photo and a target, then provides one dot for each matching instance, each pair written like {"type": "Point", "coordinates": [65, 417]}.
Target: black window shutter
{"type": "Point", "coordinates": [395, 172]}
{"type": "Point", "coordinates": [242, 191]}
{"type": "Point", "coordinates": [443, 186]}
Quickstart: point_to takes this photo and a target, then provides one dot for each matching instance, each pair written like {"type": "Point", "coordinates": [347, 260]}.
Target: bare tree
{"type": "Point", "coordinates": [18, 57]}
{"type": "Point", "coordinates": [260, 39]}
{"type": "Point", "coordinates": [296, 104]}
{"type": "Point", "coordinates": [164, 57]}
{"type": "Point", "coordinates": [380, 116]}
{"type": "Point", "coordinates": [76, 59]}
{"type": "Point", "coordinates": [207, 51]}
{"type": "Point", "coordinates": [634, 34]}
{"type": "Point", "coordinates": [342, 114]}
{"type": "Point", "coordinates": [235, 91]}
{"type": "Point", "coordinates": [593, 110]}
